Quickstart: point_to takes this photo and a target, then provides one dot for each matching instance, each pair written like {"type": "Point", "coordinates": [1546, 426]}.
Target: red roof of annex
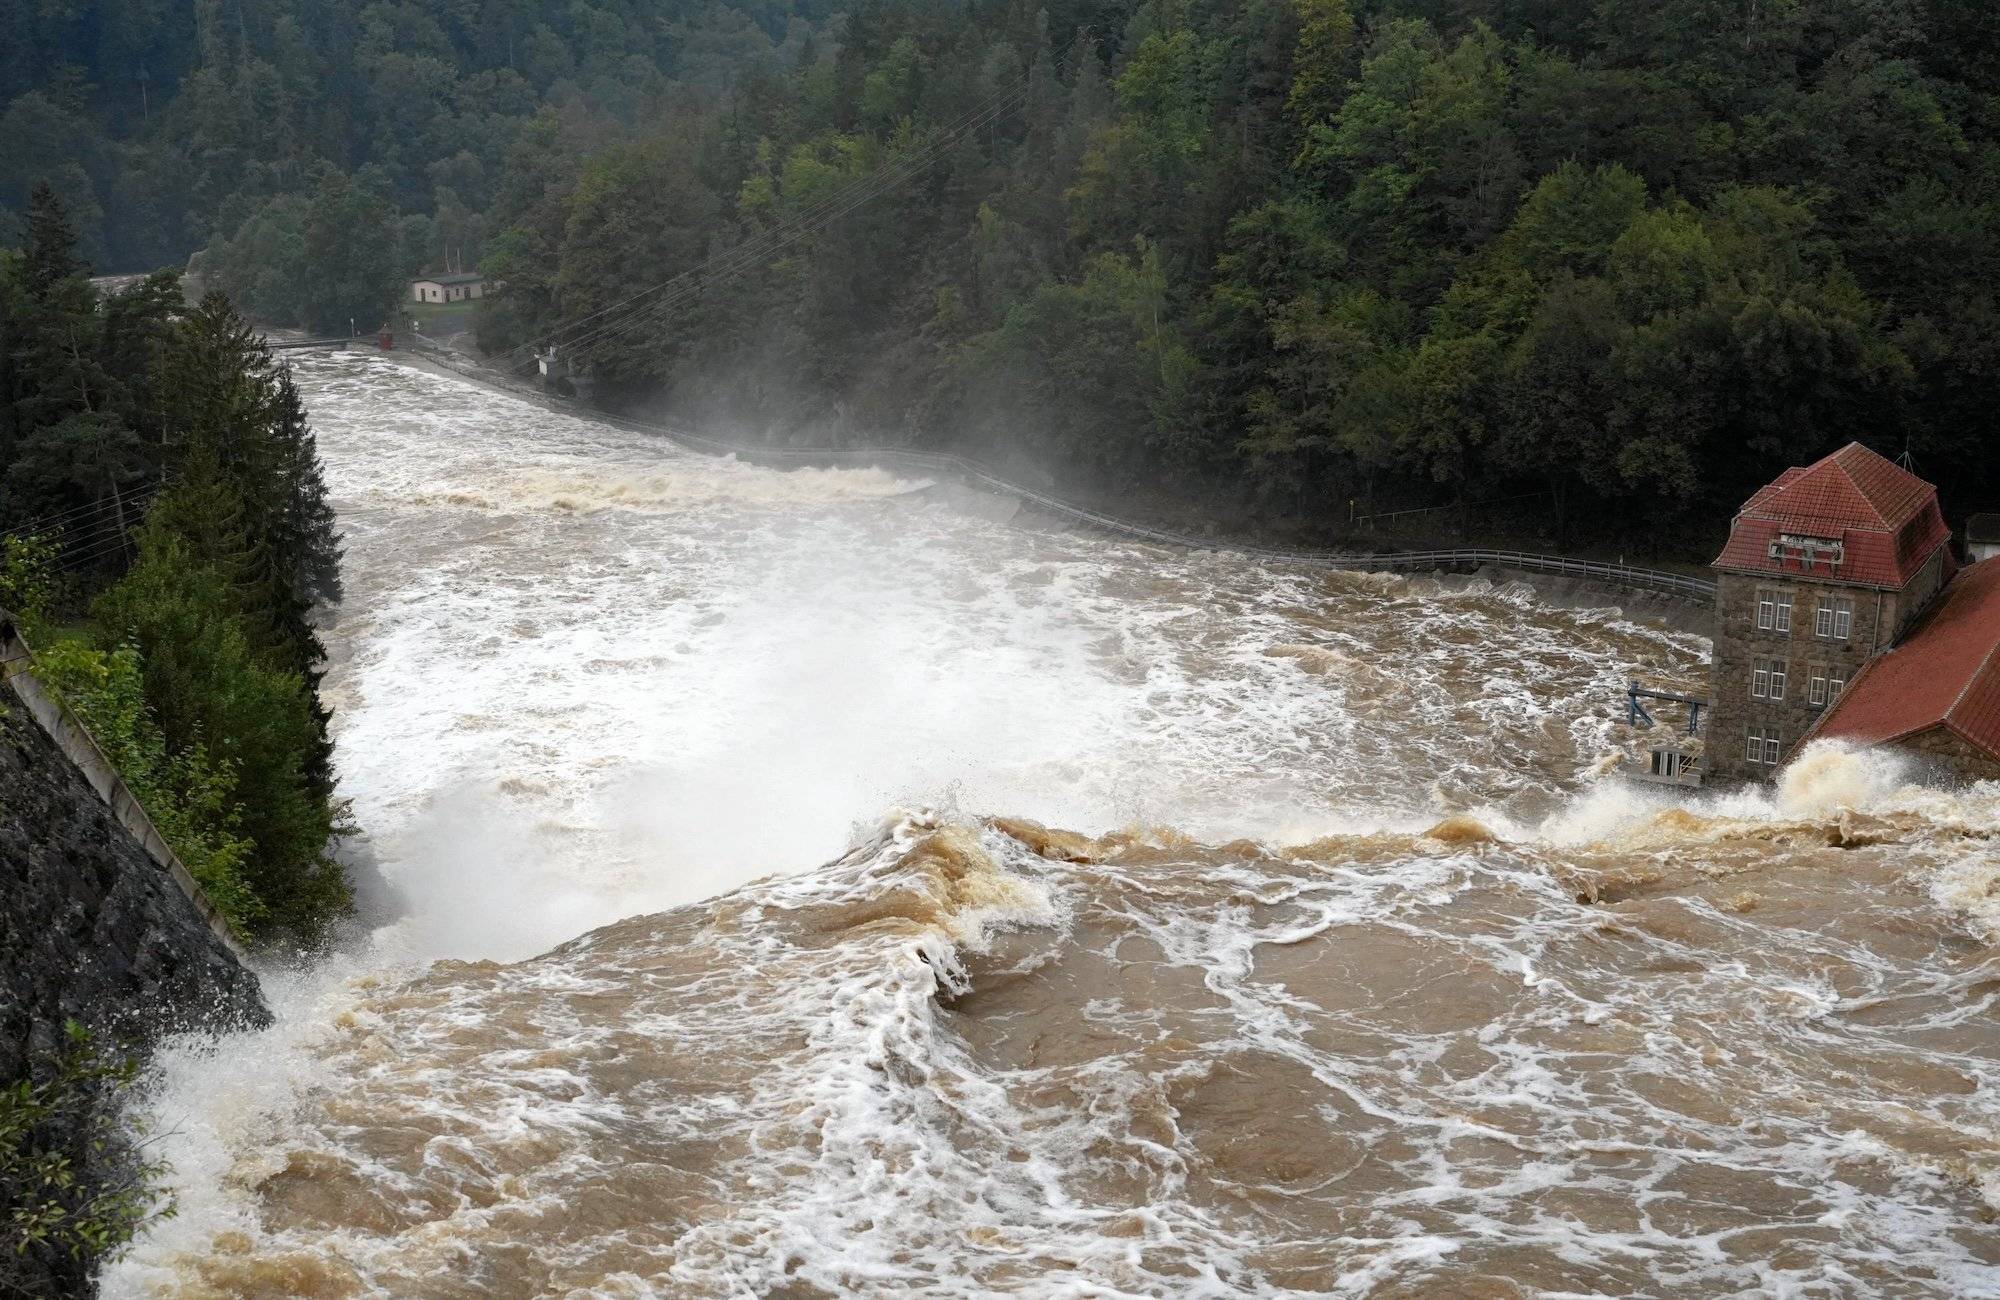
{"type": "Point", "coordinates": [1946, 673]}
{"type": "Point", "coordinates": [1886, 519]}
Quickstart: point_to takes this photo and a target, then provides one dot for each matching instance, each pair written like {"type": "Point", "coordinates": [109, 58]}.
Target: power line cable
{"type": "Point", "coordinates": [815, 216]}
{"type": "Point", "coordinates": [105, 514]}
{"type": "Point", "coordinates": [43, 523]}
{"type": "Point", "coordinates": [810, 212]}
{"type": "Point", "coordinates": [725, 266]}
{"type": "Point", "coordinates": [87, 559]}
{"type": "Point", "coordinates": [742, 259]}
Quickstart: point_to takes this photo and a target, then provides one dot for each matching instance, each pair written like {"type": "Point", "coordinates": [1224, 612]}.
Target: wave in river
{"type": "Point", "coordinates": [1349, 977]}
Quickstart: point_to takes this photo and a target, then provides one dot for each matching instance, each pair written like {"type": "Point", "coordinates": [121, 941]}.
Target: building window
{"type": "Point", "coordinates": [1764, 747]}
{"type": "Point", "coordinates": [1834, 619]}
{"type": "Point", "coordinates": [1774, 611]}
{"type": "Point", "coordinates": [1816, 690]}
{"type": "Point", "coordinates": [1767, 679]}
{"type": "Point", "coordinates": [1834, 687]}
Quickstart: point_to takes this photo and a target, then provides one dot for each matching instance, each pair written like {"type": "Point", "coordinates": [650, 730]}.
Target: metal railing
{"type": "Point", "coordinates": [1454, 561]}
{"type": "Point", "coordinates": [292, 345]}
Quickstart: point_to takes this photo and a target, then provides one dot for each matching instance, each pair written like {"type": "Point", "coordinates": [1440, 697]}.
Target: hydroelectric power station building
{"type": "Point", "coordinates": [1842, 613]}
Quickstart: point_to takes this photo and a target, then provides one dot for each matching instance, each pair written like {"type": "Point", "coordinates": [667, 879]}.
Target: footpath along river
{"type": "Point", "coordinates": [795, 887]}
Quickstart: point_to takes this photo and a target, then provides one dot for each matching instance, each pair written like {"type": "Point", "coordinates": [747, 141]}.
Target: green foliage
{"type": "Point", "coordinates": [191, 797]}
{"type": "Point", "coordinates": [231, 560]}
{"type": "Point", "coordinates": [29, 587]}
{"type": "Point", "coordinates": [76, 396]}
{"type": "Point", "coordinates": [205, 679]}
{"type": "Point", "coordinates": [200, 669]}
{"type": "Point", "coordinates": [164, 129]}
{"type": "Point", "coordinates": [329, 260]}
{"type": "Point", "coordinates": [75, 1187]}
{"type": "Point", "coordinates": [1320, 61]}
{"type": "Point", "coordinates": [1072, 352]}
{"type": "Point", "coordinates": [1637, 255]}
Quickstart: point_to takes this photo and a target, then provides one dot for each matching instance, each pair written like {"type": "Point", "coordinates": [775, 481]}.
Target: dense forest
{"type": "Point", "coordinates": [1278, 257]}
{"type": "Point", "coordinates": [165, 539]}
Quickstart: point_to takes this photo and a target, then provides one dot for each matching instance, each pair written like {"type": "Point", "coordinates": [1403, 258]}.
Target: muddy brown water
{"type": "Point", "coordinates": [797, 888]}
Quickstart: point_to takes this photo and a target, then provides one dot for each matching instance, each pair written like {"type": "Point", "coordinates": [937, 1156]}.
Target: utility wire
{"type": "Point", "coordinates": [815, 216]}
{"type": "Point", "coordinates": [724, 266]}
{"type": "Point", "coordinates": [808, 214]}
{"type": "Point", "coordinates": [102, 550]}
{"type": "Point", "coordinates": [742, 259]}
{"type": "Point", "coordinates": [43, 523]}
{"type": "Point", "coordinates": [106, 515]}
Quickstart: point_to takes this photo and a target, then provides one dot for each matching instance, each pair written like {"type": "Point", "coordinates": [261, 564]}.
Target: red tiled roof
{"type": "Point", "coordinates": [1946, 673]}
{"type": "Point", "coordinates": [1885, 518]}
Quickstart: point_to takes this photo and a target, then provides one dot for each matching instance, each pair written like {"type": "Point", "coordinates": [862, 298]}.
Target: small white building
{"type": "Point", "coordinates": [457, 287]}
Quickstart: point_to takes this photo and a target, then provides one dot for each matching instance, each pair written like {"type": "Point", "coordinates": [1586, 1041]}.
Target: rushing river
{"type": "Point", "coordinates": [796, 886]}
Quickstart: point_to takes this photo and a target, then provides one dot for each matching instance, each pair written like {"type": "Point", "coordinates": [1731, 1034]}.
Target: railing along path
{"type": "Point", "coordinates": [1452, 560]}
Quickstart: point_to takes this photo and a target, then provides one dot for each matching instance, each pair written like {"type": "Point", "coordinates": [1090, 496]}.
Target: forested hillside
{"type": "Point", "coordinates": [344, 143]}
{"type": "Point", "coordinates": [1276, 255]}
{"type": "Point", "coordinates": [165, 539]}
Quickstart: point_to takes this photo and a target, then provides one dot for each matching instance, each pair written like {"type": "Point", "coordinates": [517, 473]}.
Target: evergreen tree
{"type": "Point", "coordinates": [184, 608]}
{"type": "Point", "coordinates": [299, 561]}
{"type": "Point", "coordinates": [52, 263]}
{"type": "Point", "coordinates": [56, 367]}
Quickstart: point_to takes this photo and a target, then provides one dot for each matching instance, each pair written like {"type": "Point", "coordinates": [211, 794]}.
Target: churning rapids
{"type": "Point", "coordinates": [1344, 975]}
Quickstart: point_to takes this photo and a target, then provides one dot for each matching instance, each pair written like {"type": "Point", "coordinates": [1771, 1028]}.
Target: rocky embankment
{"type": "Point", "coordinates": [91, 927]}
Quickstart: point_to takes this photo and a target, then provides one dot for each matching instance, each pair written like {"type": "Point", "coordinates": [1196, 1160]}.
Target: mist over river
{"type": "Point", "coordinates": [795, 886]}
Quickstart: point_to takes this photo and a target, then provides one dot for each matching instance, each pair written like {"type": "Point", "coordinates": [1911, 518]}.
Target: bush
{"type": "Point", "coordinates": [28, 585]}
{"type": "Point", "coordinates": [75, 1185]}
{"type": "Point", "coordinates": [190, 796]}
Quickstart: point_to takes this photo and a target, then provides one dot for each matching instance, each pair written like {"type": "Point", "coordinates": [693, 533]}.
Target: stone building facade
{"type": "Point", "coordinates": [1944, 752]}
{"type": "Point", "coordinates": [1935, 696]}
{"type": "Point", "coordinates": [1826, 568]}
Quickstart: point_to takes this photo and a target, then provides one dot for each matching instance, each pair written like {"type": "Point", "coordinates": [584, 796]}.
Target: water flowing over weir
{"type": "Point", "coordinates": [1344, 976]}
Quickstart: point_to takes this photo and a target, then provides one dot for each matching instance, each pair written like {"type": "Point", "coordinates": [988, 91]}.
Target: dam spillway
{"type": "Point", "coordinates": [790, 885]}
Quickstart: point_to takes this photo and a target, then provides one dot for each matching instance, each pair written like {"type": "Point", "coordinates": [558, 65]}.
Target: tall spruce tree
{"type": "Point", "coordinates": [188, 609]}
{"type": "Point", "coordinates": [299, 562]}
{"type": "Point", "coordinates": [52, 262]}
{"type": "Point", "coordinates": [67, 446]}
{"type": "Point", "coordinates": [236, 554]}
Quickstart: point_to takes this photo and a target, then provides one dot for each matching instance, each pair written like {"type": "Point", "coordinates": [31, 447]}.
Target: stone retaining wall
{"type": "Point", "coordinates": [99, 922]}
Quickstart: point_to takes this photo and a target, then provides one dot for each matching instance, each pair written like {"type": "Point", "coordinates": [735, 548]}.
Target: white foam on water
{"type": "Point", "coordinates": [583, 676]}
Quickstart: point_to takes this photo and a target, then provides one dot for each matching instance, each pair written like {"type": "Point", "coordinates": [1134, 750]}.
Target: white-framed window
{"type": "Point", "coordinates": [1767, 679]}
{"type": "Point", "coordinates": [1774, 611]}
{"type": "Point", "coordinates": [1816, 686]}
{"type": "Point", "coordinates": [1763, 746]}
{"type": "Point", "coordinates": [1834, 687]}
{"type": "Point", "coordinates": [1834, 619]}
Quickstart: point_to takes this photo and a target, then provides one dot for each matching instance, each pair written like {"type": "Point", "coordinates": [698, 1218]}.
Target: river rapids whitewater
{"type": "Point", "coordinates": [799, 886]}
